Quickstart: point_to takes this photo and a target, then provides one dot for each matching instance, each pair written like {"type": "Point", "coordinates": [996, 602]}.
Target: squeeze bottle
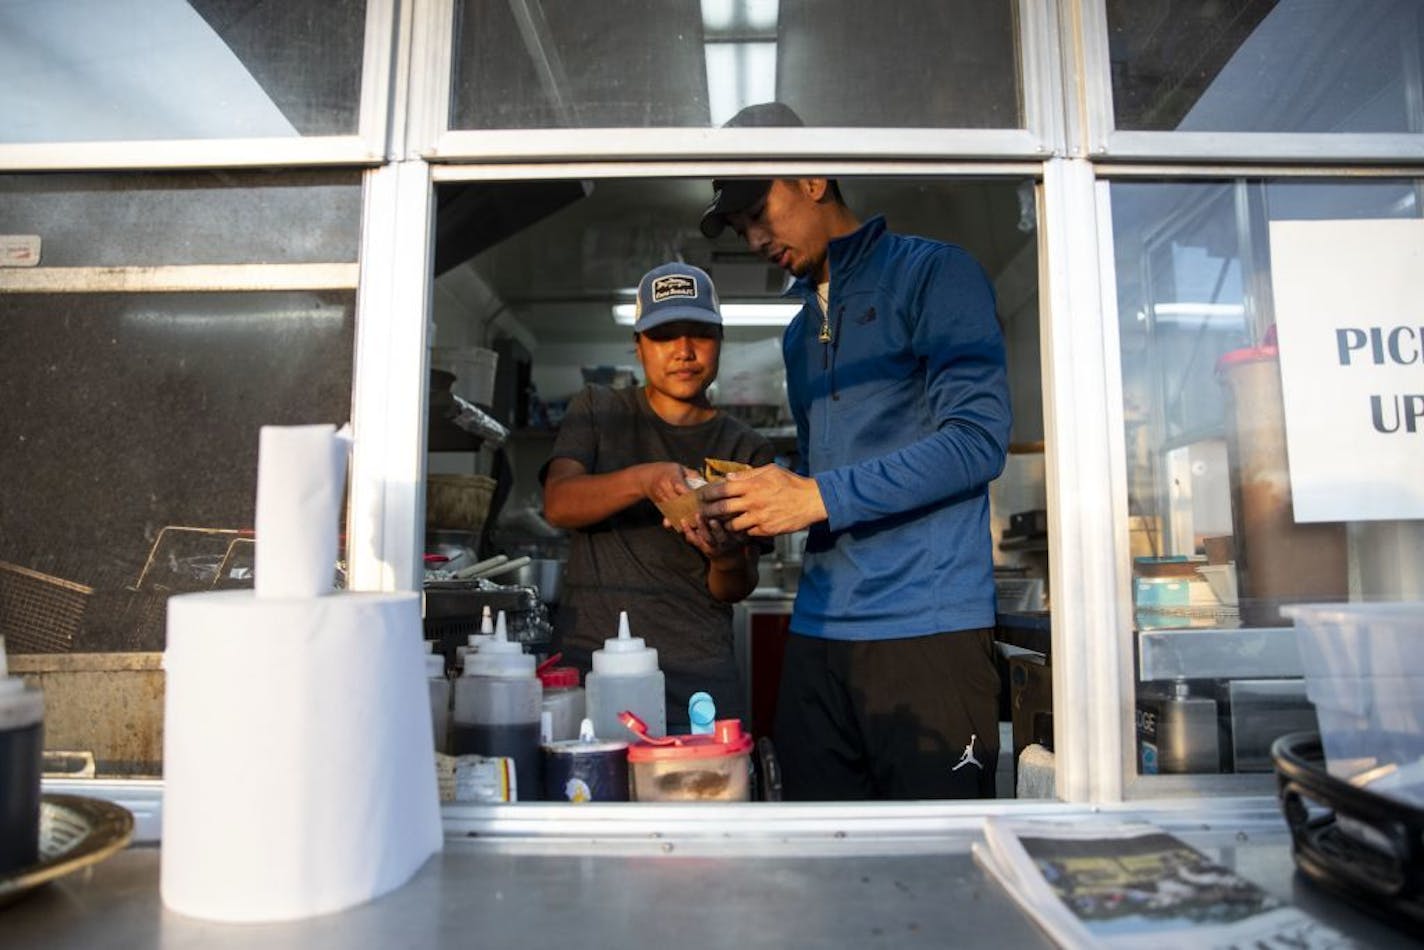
{"type": "Point", "coordinates": [625, 676]}
{"type": "Point", "coordinates": [497, 709]}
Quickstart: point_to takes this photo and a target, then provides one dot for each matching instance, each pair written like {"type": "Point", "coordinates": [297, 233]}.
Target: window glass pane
{"type": "Point", "coordinates": [1274, 430]}
{"type": "Point", "coordinates": [103, 70]}
{"type": "Point", "coordinates": [186, 218]}
{"type": "Point", "coordinates": [649, 63]}
{"type": "Point", "coordinates": [1267, 65]}
{"type": "Point", "coordinates": [129, 466]}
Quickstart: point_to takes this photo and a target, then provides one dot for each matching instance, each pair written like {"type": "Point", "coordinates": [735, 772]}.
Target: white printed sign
{"type": "Point", "coordinates": [1349, 300]}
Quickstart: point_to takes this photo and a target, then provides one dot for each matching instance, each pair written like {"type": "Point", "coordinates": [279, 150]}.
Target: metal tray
{"type": "Point", "coordinates": [75, 832]}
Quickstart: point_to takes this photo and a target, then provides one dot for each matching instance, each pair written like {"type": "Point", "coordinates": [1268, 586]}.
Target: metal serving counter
{"type": "Point", "coordinates": [731, 876]}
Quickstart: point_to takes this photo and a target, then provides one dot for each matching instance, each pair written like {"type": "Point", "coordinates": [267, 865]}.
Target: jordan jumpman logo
{"type": "Point", "coordinates": [968, 757]}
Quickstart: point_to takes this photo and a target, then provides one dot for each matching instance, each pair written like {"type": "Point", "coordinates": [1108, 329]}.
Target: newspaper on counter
{"type": "Point", "coordinates": [1130, 884]}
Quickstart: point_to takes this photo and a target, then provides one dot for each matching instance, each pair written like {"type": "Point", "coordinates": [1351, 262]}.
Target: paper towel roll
{"type": "Point", "coordinates": [301, 477]}
{"type": "Point", "coordinates": [299, 770]}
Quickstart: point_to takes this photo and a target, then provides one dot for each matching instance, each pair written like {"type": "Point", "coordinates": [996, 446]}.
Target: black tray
{"type": "Point", "coordinates": [1359, 845]}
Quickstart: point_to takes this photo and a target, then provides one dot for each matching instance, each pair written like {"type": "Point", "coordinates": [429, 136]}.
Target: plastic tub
{"type": "Point", "coordinates": [1364, 671]}
{"type": "Point", "coordinates": [714, 767]}
{"type": "Point", "coordinates": [1360, 640]}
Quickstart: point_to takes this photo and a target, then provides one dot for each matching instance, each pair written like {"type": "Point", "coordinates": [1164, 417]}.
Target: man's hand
{"type": "Point", "coordinates": [764, 502]}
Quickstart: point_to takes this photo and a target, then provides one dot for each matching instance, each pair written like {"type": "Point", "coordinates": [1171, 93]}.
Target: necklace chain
{"type": "Point", "coordinates": [823, 298]}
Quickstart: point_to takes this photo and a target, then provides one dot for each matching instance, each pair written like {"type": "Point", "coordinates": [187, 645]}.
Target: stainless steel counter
{"type": "Point", "coordinates": [733, 876]}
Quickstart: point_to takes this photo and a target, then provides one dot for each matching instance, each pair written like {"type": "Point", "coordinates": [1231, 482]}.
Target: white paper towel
{"type": "Point", "coordinates": [299, 769]}
{"type": "Point", "coordinates": [301, 476]}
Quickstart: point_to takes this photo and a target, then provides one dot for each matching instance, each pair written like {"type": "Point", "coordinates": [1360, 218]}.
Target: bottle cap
{"type": "Point", "coordinates": [435, 666]}
{"type": "Point", "coordinates": [701, 713]}
{"type": "Point", "coordinates": [499, 657]}
{"type": "Point", "coordinates": [625, 654]}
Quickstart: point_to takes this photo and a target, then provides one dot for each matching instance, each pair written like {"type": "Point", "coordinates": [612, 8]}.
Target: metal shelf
{"type": "Point", "coordinates": [1237, 653]}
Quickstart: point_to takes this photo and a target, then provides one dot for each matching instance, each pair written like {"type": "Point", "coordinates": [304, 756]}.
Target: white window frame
{"type": "Point", "coordinates": [368, 146]}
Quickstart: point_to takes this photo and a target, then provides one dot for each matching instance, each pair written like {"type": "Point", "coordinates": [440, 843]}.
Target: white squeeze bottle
{"type": "Point", "coordinates": [625, 675]}
{"type": "Point", "coordinates": [474, 640]}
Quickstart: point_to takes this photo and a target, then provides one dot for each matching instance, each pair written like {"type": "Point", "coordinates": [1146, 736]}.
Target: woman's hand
{"type": "Point", "coordinates": [662, 481]}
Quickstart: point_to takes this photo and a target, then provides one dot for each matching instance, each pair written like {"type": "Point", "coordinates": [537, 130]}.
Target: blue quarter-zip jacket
{"type": "Point", "coordinates": [903, 420]}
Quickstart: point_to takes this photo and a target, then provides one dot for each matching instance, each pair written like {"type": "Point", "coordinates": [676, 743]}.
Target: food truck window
{"type": "Point", "coordinates": [166, 318]}
{"type": "Point", "coordinates": [157, 70]}
{"type": "Point", "coordinates": [1296, 66]}
{"type": "Point", "coordinates": [1274, 422]}
{"type": "Point", "coordinates": [655, 63]}
{"type": "Point", "coordinates": [534, 284]}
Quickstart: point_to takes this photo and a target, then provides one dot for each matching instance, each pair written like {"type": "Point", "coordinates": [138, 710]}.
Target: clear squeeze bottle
{"type": "Point", "coordinates": [474, 641]}
{"type": "Point", "coordinates": [563, 700]}
{"type": "Point", "coordinates": [625, 676]}
{"type": "Point", "coordinates": [497, 709]}
{"type": "Point", "coordinates": [439, 695]}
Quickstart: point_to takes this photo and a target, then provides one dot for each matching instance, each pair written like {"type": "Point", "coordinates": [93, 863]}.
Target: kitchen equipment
{"type": "Point", "coordinates": [74, 832]}
{"type": "Point", "coordinates": [498, 570]}
{"type": "Point", "coordinates": [625, 677]}
{"type": "Point", "coordinates": [479, 568]}
{"type": "Point", "coordinates": [714, 767]}
{"type": "Point", "coordinates": [1259, 713]}
{"type": "Point", "coordinates": [1363, 847]}
{"type": "Point", "coordinates": [453, 609]}
{"type": "Point", "coordinates": [42, 613]}
{"type": "Point", "coordinates": [497, 707]}
{"type": "Point", "coordinates": [1278, 561]}
{"type": "Point", "coordinates": [544, 574]}
{"type": "Point", "coordinates": [1177, 732]}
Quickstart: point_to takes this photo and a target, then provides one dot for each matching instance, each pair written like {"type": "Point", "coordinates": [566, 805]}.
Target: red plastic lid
{"type": "Point", "coordinates": [559, 677]}
{"type": "Point", "coordinates": [1252, 354]}
{"type": "Point", "coordinates": [727, 739]}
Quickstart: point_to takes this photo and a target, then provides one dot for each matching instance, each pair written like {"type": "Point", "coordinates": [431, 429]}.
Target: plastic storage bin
{"type": "Point", "coordinates": [1364, 671]}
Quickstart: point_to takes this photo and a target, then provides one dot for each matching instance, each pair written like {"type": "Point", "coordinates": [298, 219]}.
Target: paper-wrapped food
{"type": "Point", "coordinates": [682, 509]}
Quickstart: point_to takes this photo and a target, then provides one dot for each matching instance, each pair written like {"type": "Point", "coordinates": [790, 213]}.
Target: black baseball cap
{"type": "Point", "coordinates": [733, 195]}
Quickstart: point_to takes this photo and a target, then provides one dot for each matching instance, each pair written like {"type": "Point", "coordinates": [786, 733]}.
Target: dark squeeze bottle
{"type": "Point", "coordinates": [21, 753]}
{"type": "Point", "coordinates": [497, 704]}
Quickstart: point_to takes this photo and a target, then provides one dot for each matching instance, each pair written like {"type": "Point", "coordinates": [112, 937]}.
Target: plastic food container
{"type": "Point", "coordinates": [715, 767]}
{"type": "Point", "coordinates": [1364, 671]}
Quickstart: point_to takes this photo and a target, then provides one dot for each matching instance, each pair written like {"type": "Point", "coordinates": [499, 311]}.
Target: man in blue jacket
{"type": "Point", "coordinates": [896, 377]}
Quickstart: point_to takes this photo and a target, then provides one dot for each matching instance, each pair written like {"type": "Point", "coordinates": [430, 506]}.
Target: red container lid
{"type": "Point", "coordinates": [727, 739]}
{"type": "Point", "coordinates": [559, 677]}
{"type": "Point", "coordinates": [1252, 354]}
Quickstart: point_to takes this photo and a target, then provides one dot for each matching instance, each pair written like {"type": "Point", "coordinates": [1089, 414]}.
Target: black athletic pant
{"type": "Point", "coordinates": [911, 718]}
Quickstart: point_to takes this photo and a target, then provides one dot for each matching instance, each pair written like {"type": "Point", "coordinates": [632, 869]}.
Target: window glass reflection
{"type": "Point", "coordinates": [653, 63]}
{"type": "Point", "coordinates": [1267, 65]}
{"type": "Point", "coordinates": [1249, 382]}
{"type": "Point", "coordinates": [105, 70]}
{"type": "Point", "coordinates": [130, 474]}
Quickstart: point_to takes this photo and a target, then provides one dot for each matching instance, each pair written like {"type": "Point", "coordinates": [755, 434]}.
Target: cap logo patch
{"type": "Point", "coordinates": [673, 285]}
